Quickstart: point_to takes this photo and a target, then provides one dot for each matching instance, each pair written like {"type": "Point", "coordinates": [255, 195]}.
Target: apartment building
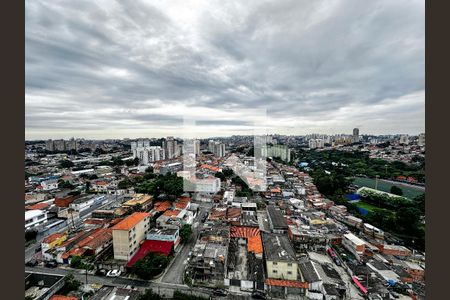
{"type": "Point", "coordinates": [280, 257]}
{"type": "Point", "coordinates": [128, 234]}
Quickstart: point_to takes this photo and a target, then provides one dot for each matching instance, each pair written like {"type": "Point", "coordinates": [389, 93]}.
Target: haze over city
{"type": "Point", "coordinates": [135, 68]}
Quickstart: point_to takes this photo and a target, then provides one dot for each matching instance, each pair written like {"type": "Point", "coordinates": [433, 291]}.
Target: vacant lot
{"type": "Point", "coordinates": [408, 192]}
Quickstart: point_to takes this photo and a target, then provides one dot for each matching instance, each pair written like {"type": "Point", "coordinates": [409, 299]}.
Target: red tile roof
{"type": "Point", "coordinates": [103, 236]}
{"type": "Point", "coordinates": [61, 297]}
{"type": "Point", "coordinates": [233, 212]}
{"type": "Point", "coordinates": [37, 206]}
{"type": "Point", "coordinates": [162, 206]}
{"type": "Point", "coordinates": [254, 244]}
{"type": "Point", "coordinates": [217, 214]}
{"type": "Point", "coordinates": [171, 213]}
{"type": "Point", "coordinates": [243, 232]}
{"type": "Point", "coordinates": [160, 247]}
{"type": "Point", "coordinates": [53, 237]}
{"type": "Point", "coordinates": [211, 168]}
{"type": "Point", "coordinates": [131, 221]}
{"type": "Point", "coordinates": [287, 283]}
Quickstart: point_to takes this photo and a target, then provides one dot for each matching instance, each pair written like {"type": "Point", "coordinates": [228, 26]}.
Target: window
{"type": "Point", "coordinates": [289, 273]}
{"type": "Point", "coordinates": [289, 264]}
{"type": "Point", "coordinates": [274, 263]}
{"type": "Point", "coordinates": [274, 271]}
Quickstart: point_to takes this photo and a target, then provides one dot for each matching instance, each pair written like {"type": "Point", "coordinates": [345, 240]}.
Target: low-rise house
{"type": "Point", "coordinates": [166, 234]}
{"type": "Point", "coordinates": [164, 248]}
{"type": "Point", "coordinates": [34, 218]}
{"type": "Point", "coordinates": [310, 275]}
{"type": "Point", "coordinates": [48, 185]}
{"type": "Point", "coordinates": [414, 270]}
{"type": "Point", "coordinates": [354, 245]}
{"type": "Point", "coordinates": [139, 200]}
{"type": "Point", "coordinates": [276, 219]}
{"type": "Point", "coordinates": [50, 242]}
{"type": "Point", "coordinates": [394, 250]}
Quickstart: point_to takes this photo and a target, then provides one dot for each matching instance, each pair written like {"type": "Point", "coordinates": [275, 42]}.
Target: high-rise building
{"type": "Point", "coordinates": [171, 147]}
{"type": "Point", "coordinates": [404, 139]}
{"type": "Point", "coordinates": [217, 148]}
{"type": "Point", "coordinates": [355, 135]}
{"type": "Point", "coordinates": [316, 143]}
{"type": "Point", "coordinates": [280, 151]}
{"type": "Point", "coordinates": [421, 140]}
{"type": "Point", "coordinates": [211, 146]}
{"type": "Point", "coordinates": [72, 144]}
{"type": "Point", "coordinates": [60, 145]}
{"type": "Point", "coordinates": [49, 145]}
{"type": "Point", "coordinates": [197, 147]}
{"type": "Point", "coordinates": [146, 153]}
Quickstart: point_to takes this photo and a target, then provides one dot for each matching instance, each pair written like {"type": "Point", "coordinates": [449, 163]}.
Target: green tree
{"type": "Point", "coordinates": [419, 202]}
{"type": "Point", "coordinates": [396, 190]}
{"type": "Point", "coordinates": [150, 266]}
{"type": "Point", "coordinates": [70, 284]}
{"type": "Point", "coordinates": [228, 172]}
{"type": "Point", "coordinates": [65, 185]}
{"type": "Point", "coordinates": [87, 187]}
{"type": "Point", "coordinates": [30, 235]}
{"type": "Point", "coordinates": [220, 175]}
{"type": "Point", "coordinates": [149, 295]}
{"type": "Point", "coordinates": [407, 220]}
{"type": "Point", "coordinates": [124, 184]}
{"type": "Point", "coordinates": [77, 262]}
{"type": "Point", "coordinates": [65, 163]}
{"type": "Point", "coordinates": [185, 232]}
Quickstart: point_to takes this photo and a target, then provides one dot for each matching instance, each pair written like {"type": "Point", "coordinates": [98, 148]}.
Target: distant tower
{"type": "Point", "coordinates": [355, 135]}
{"type": "Point", "coordinates": [421, 141]}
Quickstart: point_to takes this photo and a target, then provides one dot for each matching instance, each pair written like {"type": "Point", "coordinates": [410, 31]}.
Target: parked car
{"type": "Point", "coordinates": [38, 249]}
{"type": "Point", "coordinates": [51, 264]}
{"type": "Point", "coordinates": [113, 273]}
{"type": "Point", "coordinates": [258, 295]}
{"type": "Point", "coordinates": [31, 263]}
{"type": "Point", "coordinates": [205, 216]}
{"type": "Point", "coordinates": [100, 272]}
{"type": "Point", "coordinates": [220, 292]}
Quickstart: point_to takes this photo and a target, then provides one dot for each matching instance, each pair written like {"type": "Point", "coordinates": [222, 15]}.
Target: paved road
{"type": "Point", "coordinates": [175, 271]}
{"type": "Point", "coordinates": [413, 186]}
{"type": "Point", "coordinates": [161, 288]}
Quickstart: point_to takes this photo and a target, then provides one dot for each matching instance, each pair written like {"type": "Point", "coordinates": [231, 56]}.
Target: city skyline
{"type": "Point", "coordinates": [131, 69]}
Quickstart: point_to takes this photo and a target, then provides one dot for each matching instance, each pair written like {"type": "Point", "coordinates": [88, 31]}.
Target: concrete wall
{"type": "Point", "coordinates": [279, 270]}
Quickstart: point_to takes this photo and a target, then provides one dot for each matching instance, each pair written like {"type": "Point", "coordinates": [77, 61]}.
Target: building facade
{"type": "Point", "coordinates": [128, 234]}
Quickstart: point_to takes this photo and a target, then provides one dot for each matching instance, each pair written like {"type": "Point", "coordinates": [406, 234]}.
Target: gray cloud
{"type": "Point", "coordinates": [127, 68]}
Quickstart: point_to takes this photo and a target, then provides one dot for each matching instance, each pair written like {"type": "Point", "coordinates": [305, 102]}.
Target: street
{"type": "Point", "coordinates": [175, 271]}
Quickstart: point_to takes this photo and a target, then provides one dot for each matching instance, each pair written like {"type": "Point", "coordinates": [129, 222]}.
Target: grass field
{"type": "Point", "coordinates": [367, 206]}
{"type": "Point", "coordinates": [408, 192]}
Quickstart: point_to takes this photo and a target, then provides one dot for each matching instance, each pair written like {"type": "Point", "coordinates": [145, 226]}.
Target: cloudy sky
{"type": "Point", "coordinates": [114, 69]}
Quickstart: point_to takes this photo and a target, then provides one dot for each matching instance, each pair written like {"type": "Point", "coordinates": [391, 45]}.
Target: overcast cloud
{"type": "Point", "coordinates": [113, 69]}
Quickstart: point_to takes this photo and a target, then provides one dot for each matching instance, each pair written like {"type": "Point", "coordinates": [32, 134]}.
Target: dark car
{"type": "Point", "coordinates": [100, 272]}
{"type": "Point", "coordinates": [258, 295]}
{"type": "Point", "coordinates": [51, 264]}
{"type": "Point", "coordinates": [31, 263]}
{"type": "Point", "coordinates": [220, 292]}
{"type": "Point", "coordinates": [38, 249]}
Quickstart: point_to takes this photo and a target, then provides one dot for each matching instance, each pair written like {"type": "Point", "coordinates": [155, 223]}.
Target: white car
{"type": "Point", "coordinates": [113, 273]}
